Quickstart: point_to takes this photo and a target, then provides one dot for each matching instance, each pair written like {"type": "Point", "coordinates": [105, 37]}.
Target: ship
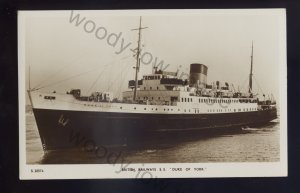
{"type": "Point", "coordinates": [159, 103]}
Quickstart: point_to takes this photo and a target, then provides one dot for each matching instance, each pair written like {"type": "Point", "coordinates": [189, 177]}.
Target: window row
{"type": "Point", "coordinates": [151, 77]}
{"type": "Point", "coordinates": [150, 88]}
{"type": "Point", "coordinates": [230, 110]}
{"type": "Point", "coordinates": [228, 101]}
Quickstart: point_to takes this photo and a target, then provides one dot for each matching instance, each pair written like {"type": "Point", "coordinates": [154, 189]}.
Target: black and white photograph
{"type": "Point", "coordinates": [152, 93]}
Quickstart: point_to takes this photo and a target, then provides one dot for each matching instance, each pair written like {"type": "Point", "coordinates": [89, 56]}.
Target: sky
{"type": "Point", "coordinates": [80, 49]}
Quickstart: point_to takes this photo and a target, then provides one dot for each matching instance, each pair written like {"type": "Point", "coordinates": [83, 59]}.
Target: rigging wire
{"type": "Point", "coordinates": [113, 82]}
{"type": "Point", "coordinates": [66, 79]}
{"type": "Point", "coordinates": [94, 83]}
{"type": "Point", "coordinates": [59, 70]}
{"type": "Point", "coordinates": [258, 85]}
{"type": "Point", "coordinates": [244, 83]}
{"type": "Point", "coordinates": [122, 82]}
{"type": "Point", "coordinates": [126, 65]}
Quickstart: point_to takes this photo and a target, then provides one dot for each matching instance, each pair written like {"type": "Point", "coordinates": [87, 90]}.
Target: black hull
{"type": "Point", "coordinates": [70, 129]}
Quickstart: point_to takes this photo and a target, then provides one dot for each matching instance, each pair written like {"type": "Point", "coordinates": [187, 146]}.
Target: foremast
{"type": "Point", "coordinates": [251, 70]}
{"type": "Point", "coordinates": [137, 66]}
{"type": "Point", "coordinates": [29, 88]}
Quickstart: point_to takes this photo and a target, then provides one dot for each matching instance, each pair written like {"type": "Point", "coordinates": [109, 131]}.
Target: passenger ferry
{"type": "Point", "coordinates": [160, 102]}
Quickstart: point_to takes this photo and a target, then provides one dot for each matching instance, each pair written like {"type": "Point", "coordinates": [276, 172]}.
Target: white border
{"type": "Point", "coordinates": [89, 171]}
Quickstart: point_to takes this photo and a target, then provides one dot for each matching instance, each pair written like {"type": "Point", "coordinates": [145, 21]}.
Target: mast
{"type": "Point", "coordinates": [29, 78]}
{"type": "Point", "coordinates": [137, 67]}
{"type": "Point", "coordinates": [251, 70]}
{"type": "Point", "coordinates": [29, 89]}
